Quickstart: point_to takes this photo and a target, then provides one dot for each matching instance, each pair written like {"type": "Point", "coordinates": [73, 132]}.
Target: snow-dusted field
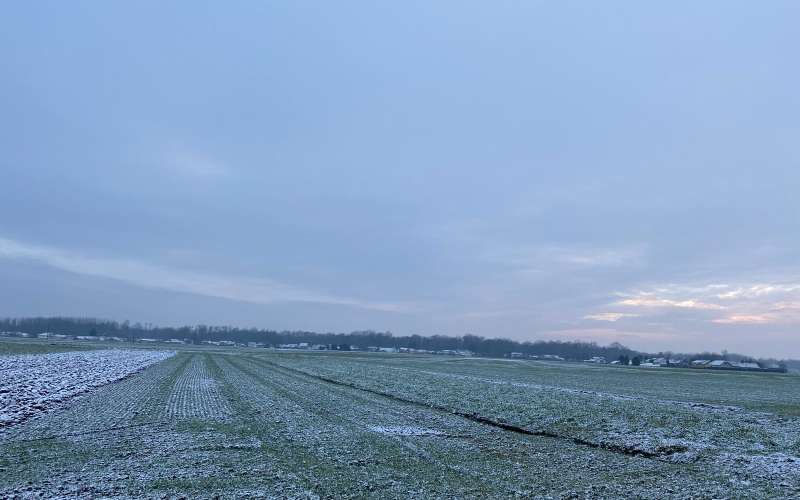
{"type": "Point", "coordinates": [196, 395]}
{"type": "Point", "coordinates": [34, 383]}
{"type": "Point", "coordinates": [254, 423]}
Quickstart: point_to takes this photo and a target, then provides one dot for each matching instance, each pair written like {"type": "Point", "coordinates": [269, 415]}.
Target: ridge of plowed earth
{"type": "Point", "coordinates": [285, 434]}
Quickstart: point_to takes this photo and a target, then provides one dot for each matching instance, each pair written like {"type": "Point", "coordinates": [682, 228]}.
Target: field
{"type": "Point", "coordinates": [9, 346]}
{"type": "Point", "coordinates": [260, 423]}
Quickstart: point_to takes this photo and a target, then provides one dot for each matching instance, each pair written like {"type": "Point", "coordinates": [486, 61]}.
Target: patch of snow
{"type": "Point", "coordinates": [403, 430]}
{"type": "Point", "coordinates": [32, 384]}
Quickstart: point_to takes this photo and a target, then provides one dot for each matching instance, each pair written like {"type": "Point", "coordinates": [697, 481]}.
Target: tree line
{"type": "Point", "coordinates": [493, 347]}
{"type": "Point", "coordinates": [361, 339]}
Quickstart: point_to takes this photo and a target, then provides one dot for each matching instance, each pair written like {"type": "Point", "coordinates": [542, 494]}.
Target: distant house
{"type": "Point", "coordinates": [721, 363]}
{"type": "Point", "coordinates": [300, 345]}
{"type": "Point", "coordinates": [665, 361]}
{"type": "Point", "coordinates": [411, 350]}
{"type": "Point", "coordinates": [88, 337]}
{"type": "Point", "coordinates": [750, 366]}
{"type": "Point", "coordinates": [596, 359]}
{"type": "Point", "coordinates": [517, 355]}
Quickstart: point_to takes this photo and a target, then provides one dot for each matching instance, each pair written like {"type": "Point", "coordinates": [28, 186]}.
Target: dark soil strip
{"type": "Point", "coordinates": [480, 419]}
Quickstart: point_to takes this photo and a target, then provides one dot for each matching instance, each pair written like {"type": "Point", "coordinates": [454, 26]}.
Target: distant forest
{"type": "Point", "coordinates": [492, 347]}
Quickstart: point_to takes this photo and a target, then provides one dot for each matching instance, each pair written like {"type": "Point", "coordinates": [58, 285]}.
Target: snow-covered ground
{"type": "Point", "coordinates": [34, 383]}
{"type": "Point", "coordinates": [264, 424]}
{"type": "Point", "coordinates": [738, 440]}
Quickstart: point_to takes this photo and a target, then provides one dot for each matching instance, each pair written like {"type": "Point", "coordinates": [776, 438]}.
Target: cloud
{"type": "Point", "coordinates": [743, 302]}
{"type": "Point", "coordinates": [783, 312]}
{"type": "Point", "coordinates": [610, 316]}
{"type": "Point", "coordinates": [656, 302]}
{"type": "Point", "coordinates": [743, 319]}
{"type": "Point", "coordinates": [547, 258]}
{"type": "Point", "coordinates": [241, 289]}
{"type": "Point", "coordinates": [759, 290]}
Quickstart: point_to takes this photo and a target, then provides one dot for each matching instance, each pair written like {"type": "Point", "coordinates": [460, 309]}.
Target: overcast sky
{"type": "Point", "coordinates": [603, 171]}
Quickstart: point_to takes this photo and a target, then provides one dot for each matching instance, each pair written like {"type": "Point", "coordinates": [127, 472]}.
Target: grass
{"type": "Point", "coordinates": [286, 432]}
{"type": "Point", "coordinates": [35, 346]}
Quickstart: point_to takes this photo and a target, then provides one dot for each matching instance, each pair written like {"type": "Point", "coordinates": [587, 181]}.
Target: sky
{"type": "Point", "coordinates": [601, 171]}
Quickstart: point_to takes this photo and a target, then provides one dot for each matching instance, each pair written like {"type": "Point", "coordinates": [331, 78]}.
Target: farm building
{"type": "Point", "coordinates": [722, 364]}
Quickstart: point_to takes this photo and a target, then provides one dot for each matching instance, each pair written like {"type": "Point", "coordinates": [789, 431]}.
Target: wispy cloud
{"type": "Point", "coordinates": [242, 289]}
{"type": "Point", "coordinates": [742, 303]}
{"type": "Point", "coordinates": [657, 302]}
{"type": "Point", "coordinates": [782, 312]}
{"type": "Point", "coordinates": [610, 316]}
{"type": "Point", "coordinates": [759, 290]}
{"type": "Point", "coordinates": [743, 319]}
{"type": "Point", "coordinates": [550, 257]}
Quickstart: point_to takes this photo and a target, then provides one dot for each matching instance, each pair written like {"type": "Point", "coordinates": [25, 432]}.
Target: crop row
{"type": "Point", "coordinates": [195, 394]}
